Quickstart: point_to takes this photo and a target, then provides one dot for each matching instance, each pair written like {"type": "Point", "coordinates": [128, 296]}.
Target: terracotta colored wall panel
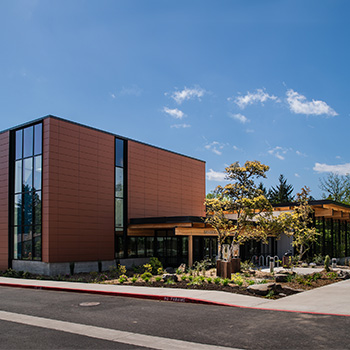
{"type": "Point", "coordinates": [162, 183]}
{"type": "Point", "coordinates": [78, 193]}
{"type": "Point", "coordinates": [4, 160]}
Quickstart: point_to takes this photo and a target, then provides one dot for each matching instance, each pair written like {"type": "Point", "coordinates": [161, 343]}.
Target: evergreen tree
{"type": "Point", "coordinates": [282, 193]}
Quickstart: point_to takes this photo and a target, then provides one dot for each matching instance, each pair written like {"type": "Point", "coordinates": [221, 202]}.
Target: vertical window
{"type": "Point", "coordinates": [119, 200]}
{"type": "Point", "coordinates": [27, 193]}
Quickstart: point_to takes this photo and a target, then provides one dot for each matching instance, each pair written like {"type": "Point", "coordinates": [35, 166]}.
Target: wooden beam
{"type": "Point", "coordinates": [193, 231]}
{"type": "Point", "coordinates": [324, 212]}
{"type": "Point", "coordinates": [160, 226]}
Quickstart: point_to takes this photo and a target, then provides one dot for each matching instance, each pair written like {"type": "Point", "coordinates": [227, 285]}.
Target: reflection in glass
{"type": "Point", "coordinates": [119, 182]}
{"type": "Point", "coordinates": [149, 246]}
{"type": "Point", "coordinates": [18, 176]}
{"type": "Point", "coordinates": [28, 142]}
{"type": "Point", "coordinates": [119, 151]}
{"type": "Point", "coordinates": [118, 212]}
{"type": "Point", "coordinates": [38, 138]}
{"type": "Point", "coordinates": [119, 250]}
{"type": "Point", "coordinates": [18, 210]}
{"type": "Point", "coordinates": [17, 246]}
{"type": "Point", "coordinates": [27, 208]}
{"type": "Point", "coordinates": [37, 173]}
{"type": "Point", "coordinates": [18, 144]}
{"type": "Point", "coordinates": [27, 243]}
{"type": "Point", "coordinates": [28, 174]}
{"type": "Point", "coordinates": [132, 249]}
{"type": "Point", "coordinates": [141, 247]}
{"type": "Point", "coordinates": [37, 243]}
{"type": "Point", "coordinates": [37, 207]}
{"type": "Point", "coordinates": [160, 246]}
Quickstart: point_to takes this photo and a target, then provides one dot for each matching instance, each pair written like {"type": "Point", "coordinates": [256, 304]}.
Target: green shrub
{"type": "Point", "coordinates": [148, 268]}
{"type": "Point", "coordinates": [133, 279]}
{"type": "Point", "coordinates": [160, 271]}
{"type": "Point", "coordinates": [146, 275]}
{"type": "Point", "coordinates": [190, 278]}
{"type": "Point", "coordinates": [156, 264]}
{"type": "Point", "coordinates": [122, 279]}
{"type": "Point", "coordinates": [327, 261]}
{"type": "Point", "coordinates": [217, 280]}
{"type": "Point", "coordinates": [183, 277]}
{"type": "Point", "coordinates": [225, 282]}
{"type": "Point", "coordinates": [250, 282]}
{"type": "Point", "coordinates": [158, 278]}
{"type": "Point", "coordinates": [246, 265]}
{"type": "Point", "coordinates": [209, 279]}
{"type": "Point", "coordinates": [146, 279]}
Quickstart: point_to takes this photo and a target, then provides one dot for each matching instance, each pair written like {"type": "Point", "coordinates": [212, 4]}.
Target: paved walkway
{"type": "Point", "coordinates": [332, 299]}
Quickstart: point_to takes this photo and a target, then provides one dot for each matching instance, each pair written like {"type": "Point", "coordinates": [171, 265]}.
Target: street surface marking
{"type": "Point", "coordinates": [136, 339]}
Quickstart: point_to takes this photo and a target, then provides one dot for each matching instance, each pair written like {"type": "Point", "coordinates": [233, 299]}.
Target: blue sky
{"type": "Point", "coordinates": [222, 81]}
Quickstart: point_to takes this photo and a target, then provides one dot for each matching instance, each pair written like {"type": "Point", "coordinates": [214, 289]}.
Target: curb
{"type": "Point", "coordinates": [177, 299]}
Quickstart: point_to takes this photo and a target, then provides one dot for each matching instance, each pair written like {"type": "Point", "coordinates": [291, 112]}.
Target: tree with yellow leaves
{"type": "Point", "coordinates": [240, 209]}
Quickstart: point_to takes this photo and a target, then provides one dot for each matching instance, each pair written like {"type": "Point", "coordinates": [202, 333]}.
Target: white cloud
{"type": "Point", "coordinates": [113, 96]}
{"type": "Point", "coordinates": [299, 105]}
{"type": "Point", "coordinates": [250, 98]}
{"type": "Point", "coordinates": [296, 175]}
{"type": "Point", "coordinates": [215, 147]}
{"type": "Point", "coordinates": [340, 169]}
{"type": "Point", "coordinates": [175, 113]}
{"type": "Point", "coordinates": [239, 117]}
{"type": "Point", "coordinates": [132, 90]}
{"type": "Point", "coordinates": [237, 148]}
{"type": "Point", "coordinates": [178, 126]}
{"type": "Point", "coordinates": [300, 154]}
{"type": "Point", "coordinates": [187, 94]}
{"type": "Point", "coordinates": [278, 152]}
{"type": "Point", "coordinates": [249, 131]}
{"type": "Point", "coordinates": [215, 175]}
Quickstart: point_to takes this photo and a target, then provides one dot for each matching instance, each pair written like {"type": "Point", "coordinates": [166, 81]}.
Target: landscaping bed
{"type": "Point", "coordinates": [248, 282]}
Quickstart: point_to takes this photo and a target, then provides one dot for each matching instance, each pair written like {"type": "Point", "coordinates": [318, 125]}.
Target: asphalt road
{"type": "Point", "coordinates": [200, 324]}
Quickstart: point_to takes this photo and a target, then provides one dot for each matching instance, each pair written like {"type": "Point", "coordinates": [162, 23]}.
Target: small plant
{"type": "Point", "coordinates": [332, 275]}
{"type": "Point", "coordinates": [290, 277]}
{"type": "Point", "coordinates": [178, 271]}
{"type": "Point", "coordinates": [160, 271]}
{"type": "Point", "coordinates": [148, 268]}
{"type": "Point", "coordinates": [237, 279]}
{"type": "Point", "coordinates": [201, 278]}
{"type": "Point", "coordinates": [146, 275]}
{"type": "Point", "coordinates": [250, 282]}
{"type": "Point", "coordinates": [190, 278]}
{"type": "Point", "coordinates": [327, 261]}
{"type": "Point", "coordinates": [169, 281]}
{"type": "Point", "coordinates": [122, 279]}
{"type": "Point", "coordinates": [270, 294]}
{"type": "Point", "coordinates": [156, 264]}
{"type": "Point", "coordinates": [217, 280]}
{"type": "Point", "coordinates": [158, 278]}
{"type": "Point", "coordinates": [246, 265]}
{"type": "Point", "coordinates": [183, 277]}
{"type": "Point", "coordinates": [225, 282]}
{"type": "Point", "coordinates": [262, 281]}
{"type": "Point", "coordinates": [133, 279]}
{"type": "Point", "coordinates": [318, 259]}
{"type": "Point", "coordinates": [146, 279]}
{"type": "Point", "coordinates": [209, 280]}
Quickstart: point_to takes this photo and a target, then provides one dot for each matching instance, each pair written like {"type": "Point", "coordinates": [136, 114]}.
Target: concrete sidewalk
{"type": "Point", "coordinates": [333, 299]}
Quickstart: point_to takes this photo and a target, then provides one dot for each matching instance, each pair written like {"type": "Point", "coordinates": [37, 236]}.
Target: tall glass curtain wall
{"type": "Point", "coordinates": [119, 196]}
{"type": "Point", "coordinates": [27, 187]}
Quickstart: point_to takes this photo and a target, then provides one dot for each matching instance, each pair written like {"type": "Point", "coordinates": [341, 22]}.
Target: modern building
{"type": "Point", "coordinates": [72, 196]}
{"type": "Point", "coordinates": [75, 195]}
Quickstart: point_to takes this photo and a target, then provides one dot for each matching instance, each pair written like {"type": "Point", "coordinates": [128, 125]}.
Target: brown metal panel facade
{"type": "Point", "coordinates": [78, 193]}
{"type": "Point", "coordinates": [162, 183]}
{"type": "Point", "coordinates": [4, 199]}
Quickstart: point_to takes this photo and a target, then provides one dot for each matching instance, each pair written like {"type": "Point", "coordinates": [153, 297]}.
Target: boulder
{"type": "Point", "coordinates": [261, 289]}
{"type": "Point", "coordinates": [170, 276]}
{"type": "Point", "coordinates": [170, 270]}
{"type": "Point", "coordinates": [281, 277]}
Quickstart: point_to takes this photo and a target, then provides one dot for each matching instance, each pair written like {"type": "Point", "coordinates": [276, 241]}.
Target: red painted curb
{"type": "Point", "coordinates": [159, 297]}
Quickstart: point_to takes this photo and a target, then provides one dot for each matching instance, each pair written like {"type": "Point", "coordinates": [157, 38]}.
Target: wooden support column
{"type": "Point", "coordinates": [190, 250]}
{"type": "Point", "coordinates": [339, 239]}
{"type": "Point", "coordinates": [346, 238]}
{"type": "Point", "coordinates": [332, 239]}
{"type": "Point", "coordinates": [323, 236]}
